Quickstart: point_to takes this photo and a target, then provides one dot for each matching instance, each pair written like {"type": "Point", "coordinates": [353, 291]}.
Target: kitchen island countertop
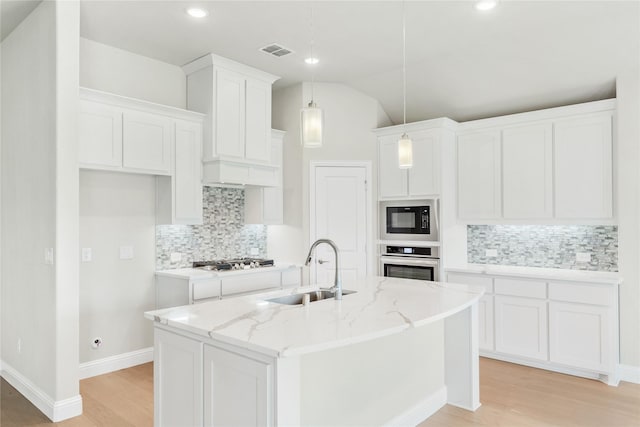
{"type": "Point", "coordinates": [382, 306]}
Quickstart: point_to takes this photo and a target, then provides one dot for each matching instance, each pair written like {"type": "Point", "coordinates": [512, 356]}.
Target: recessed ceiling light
{"type": "Point", "coordinates": [486, 4]}
{"type": "Point", "coordinates": [311, 60]}
{"type": "Point", "coordinates": [197, 12]}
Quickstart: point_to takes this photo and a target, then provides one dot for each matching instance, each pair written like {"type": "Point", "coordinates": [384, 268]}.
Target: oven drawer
{"type": "Point", "coordinates": [410, 268]}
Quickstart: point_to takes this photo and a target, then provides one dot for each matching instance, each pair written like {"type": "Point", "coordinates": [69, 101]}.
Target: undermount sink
{"type": "Point", "coordinates": [297, 299]}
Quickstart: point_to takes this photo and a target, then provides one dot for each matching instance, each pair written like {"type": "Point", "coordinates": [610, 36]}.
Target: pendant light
{"type": "Point", "coordinates": [311, 117]}
{"type": "Point", "coordinates": [405, 145]}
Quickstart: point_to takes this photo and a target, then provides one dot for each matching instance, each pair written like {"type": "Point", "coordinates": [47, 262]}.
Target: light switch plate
{"type": "Point", "coordinates": [126, 252]}
{"type": "Point", "coordinates": [491, 253]}
{"type": "Point", "coordinates": [87, 255]}
{"type": "Point", "coordinates": [583, 257]}
{"type": "Point", "coordinates": [176, 257]}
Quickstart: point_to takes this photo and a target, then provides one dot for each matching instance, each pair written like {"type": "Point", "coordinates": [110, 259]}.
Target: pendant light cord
{"type": "Point", "coordinates": [312, 41]}
{"type": "Point", "coordinates": [404, 69]}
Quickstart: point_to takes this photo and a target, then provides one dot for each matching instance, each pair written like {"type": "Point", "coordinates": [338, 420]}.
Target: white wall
{"type": "Point", "coordinates": [628, 211]}
{"type": "Point", "coordinates": [116, 209]}
{"type": "Point", "coordinates": [119, 209]}
{"type": "Point", "coordinates": [349, 117]}
{"type": "Point", "coordinates": [114, 70]}
{"type": "Point", "coordinates": [39, 203]}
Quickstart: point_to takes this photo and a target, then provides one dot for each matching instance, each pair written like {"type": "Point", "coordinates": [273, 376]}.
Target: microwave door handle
{"type": "Point", "coordinates": [436, 215]}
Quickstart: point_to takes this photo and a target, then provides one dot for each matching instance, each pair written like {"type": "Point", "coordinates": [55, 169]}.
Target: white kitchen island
{"type": "Point", "coordinates": [392, 353]}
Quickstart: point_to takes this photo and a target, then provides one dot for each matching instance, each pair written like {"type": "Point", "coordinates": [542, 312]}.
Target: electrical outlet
{"type": "Point", "coordinates": [583, 257]}
{"type": "Point", "coordinates": [491, 253]}
{"type": "Point", "coordinates": [48, 256]}
{"type": "Point", "coordinates": [126, 252]}
{"type": "Point", "coordinates": [254, 251]}
{"type": "Point", "coordinates": [176, 257]}
{"type": "Point", "coordinates": [96, 343]}
{"type": "Point", "coordinates": [87, 255]}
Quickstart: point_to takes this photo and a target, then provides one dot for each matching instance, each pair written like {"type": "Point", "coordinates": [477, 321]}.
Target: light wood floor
{"type": "Point", "coordinates": [511, 396]}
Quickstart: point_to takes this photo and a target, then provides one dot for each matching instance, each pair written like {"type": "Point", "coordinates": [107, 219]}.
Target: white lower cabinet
{"type": "Point", "coordinates": [237, 389]}
{"type": "Point", "coordinates": [177, 380]}
{"type": "Point", "coordinates": [485, 323]}
{"type": "Point", "coordinates": [521, 326]}
{"type": "Point", "coordinates": [561, 325]}
{"type": "Point", "coordinates": [580, 335]}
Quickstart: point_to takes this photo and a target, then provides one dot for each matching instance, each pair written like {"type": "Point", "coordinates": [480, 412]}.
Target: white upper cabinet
{"type": "Point", "coordinates": [548, 165]}
{"type": "Point", "coordinates": [100, 135]}
{"type": "Point", "coordinates": [479, 194]}
{"type": "Point", "coordinates": [236, 100]}
{"type": "Point", "coordinates": [146, 142]}
{"type": "Point", "coordinates": [527, 172]}
{"type": "Point", "coordinates": [392, 180]}
{"type": "Point", "coordinates": [129, 135]}
{"type": "Point", "coordinates": [264, 205]}
{"type": "Point", "coordinates": [258, 121]}
{"type": "Point", "coordinates": [583, 167]}
{"type": "Point", "coordinates": [422, 180]}
{"type": "Point", "coordinates": [230, 108]}
{"type": "Point", "coordinates": [424, 176]}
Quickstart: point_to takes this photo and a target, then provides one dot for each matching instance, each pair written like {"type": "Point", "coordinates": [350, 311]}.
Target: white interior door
{"type": "Point", "coordinates": [339, 211]}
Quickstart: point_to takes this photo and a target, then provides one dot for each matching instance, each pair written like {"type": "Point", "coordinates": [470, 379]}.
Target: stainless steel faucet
{"type": "Point", "coordinates": [337, 283]}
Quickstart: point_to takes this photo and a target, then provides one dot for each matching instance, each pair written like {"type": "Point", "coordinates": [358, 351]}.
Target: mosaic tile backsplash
{"type": "Point", "coordinates": [223, 234]}
{"type": "Point", "coordinates": [547, 246]}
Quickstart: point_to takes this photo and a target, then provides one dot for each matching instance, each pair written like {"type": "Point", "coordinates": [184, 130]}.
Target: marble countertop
{"type": "Point", "coordinates": [382, 306]}
{"type": "Point", "coordinates": [541, 273]}
{"type": "Point", "coordinates": [196, 273]}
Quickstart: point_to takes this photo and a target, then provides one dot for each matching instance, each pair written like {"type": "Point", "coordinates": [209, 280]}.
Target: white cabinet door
{"type": "Point", "coordinates": [266, 205]}
{"type": "Point", "coordinates": [527, 172]}
{"type": "Point", "coordinates": [258, 121]}
{"type": "Point", "coordinates": [230, 113]}
{"type": "Point", "coordinates": [583, 167]}
{"type": "Point", "coordinates": [188, 173]}
{"type": "Point", "coordinates": [392, 180]}
{"type": "Point", "coordinates": [485, 323]}
{"type": "Point", "coordinates": [580, 335]}
{"type": "Point", "coordinates": [146, 142]}
{"type": "Point", "coordinates": [521, 326]}
{"type": "Point", "coordinates": [238, 391]}
{"type": "Point", "coordinates": [424, 176]}
{"type": "Point", "coordinates": [100, 135]}
{"type": "Point", "coordinates": [177, 380]}
{"type": "Point", "coordinates": [479, 175]}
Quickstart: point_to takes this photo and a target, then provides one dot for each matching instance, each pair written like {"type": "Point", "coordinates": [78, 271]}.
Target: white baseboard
{"type": "Point", "coordinates": [55, 410]}
{"type": "Point", "coordinates": [115, 363]}
{"type": "Point", "coordinates": [423, 410]}
{"type": "Point", "coordinates": [630, 374]}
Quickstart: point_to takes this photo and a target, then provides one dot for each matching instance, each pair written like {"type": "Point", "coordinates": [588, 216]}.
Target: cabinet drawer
{"type": "Point", "coordinates": [471, 279]}
{"type": "Point", "coordinates": [521, 288]}
{"type": "Point", "coordinates": [250, 283]}
{"type": "Point", "coordinates": [206, 289]}
{"type": "Point", "coordinates": [582, 293]}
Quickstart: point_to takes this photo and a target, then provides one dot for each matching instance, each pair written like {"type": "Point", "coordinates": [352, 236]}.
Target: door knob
{"type": "Point", "coordinates": [322, 261]}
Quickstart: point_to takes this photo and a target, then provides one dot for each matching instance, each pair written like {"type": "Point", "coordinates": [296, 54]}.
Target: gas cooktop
{"type": "Point", "coordinates": [233, 264]}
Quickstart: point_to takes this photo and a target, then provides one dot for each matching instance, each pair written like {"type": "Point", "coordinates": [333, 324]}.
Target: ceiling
{"type": "Point", "coordinates": [461, 63]}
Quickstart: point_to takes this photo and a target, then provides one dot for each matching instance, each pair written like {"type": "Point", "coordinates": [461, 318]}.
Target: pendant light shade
{"type": "Point", "coordinates": [311, 120]}
{"type": "Point", "coordinates": [405, 152]}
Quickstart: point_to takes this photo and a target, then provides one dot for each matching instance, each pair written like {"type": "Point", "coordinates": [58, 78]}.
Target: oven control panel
{"type": "Point", "coordinates": [412, 251]}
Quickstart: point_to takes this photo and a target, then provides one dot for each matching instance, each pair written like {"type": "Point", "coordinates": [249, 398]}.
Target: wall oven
{"type": "Point", "coordinates": [407, 262]}
{"type": "Point", "coordinates": [409, 220]}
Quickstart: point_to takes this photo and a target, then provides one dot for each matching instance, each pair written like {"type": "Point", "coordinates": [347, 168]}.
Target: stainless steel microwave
{"type": "Point", "coordinates": [409, 220]}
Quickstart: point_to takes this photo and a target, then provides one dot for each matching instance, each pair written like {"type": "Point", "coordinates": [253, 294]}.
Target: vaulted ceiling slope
{"type": "Point", "coordinates": [461, 63]}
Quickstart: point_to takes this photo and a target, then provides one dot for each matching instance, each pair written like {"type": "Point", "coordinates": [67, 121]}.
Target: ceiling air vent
{"type": "Point", "coordinates": [276, 50]}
